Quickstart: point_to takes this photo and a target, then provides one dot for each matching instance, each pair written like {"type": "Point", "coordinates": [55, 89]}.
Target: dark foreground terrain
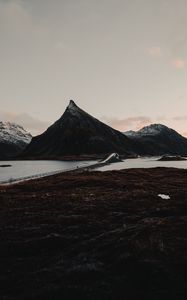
{"type": "Point", "coordinates": [95, 236]}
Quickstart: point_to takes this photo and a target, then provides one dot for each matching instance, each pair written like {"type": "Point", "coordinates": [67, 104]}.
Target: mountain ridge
{"type": "Point", "coordinates": [13, 139]}
{"type": "Point", "coordinates": [151, 129]}
{"type": "Point", "coordinates": [78, 133]}
{"type": "Point", "coordinates": [158, 139]}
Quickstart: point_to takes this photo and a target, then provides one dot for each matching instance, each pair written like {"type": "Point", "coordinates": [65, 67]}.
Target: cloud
{"type": "Point", "coordinates": [180, 118]}
{"type": "Point", "coordinates": [178, 63]}
{"type": "Point", "coordinates": [136, 123]}
{"type": "Point", "coordinates": [29, 123]}
{"type": "Point", "coordinates": [132, 123]}
{"type": "Point", "coordinates": [154, 51]}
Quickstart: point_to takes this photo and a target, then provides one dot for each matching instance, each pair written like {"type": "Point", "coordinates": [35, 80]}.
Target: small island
{"type": "Point", "coordinates": [172, 158]}
{"type": "Point", "coordinates": [5, 166]}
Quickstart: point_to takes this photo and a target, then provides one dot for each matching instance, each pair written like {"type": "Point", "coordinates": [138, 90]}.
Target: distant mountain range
{"type": "Point", "coordinates": [157, 139]}
{"type": "Point", "coordinates": [78, 133]}
{"type": "Point", "coordinates": [13, 139]}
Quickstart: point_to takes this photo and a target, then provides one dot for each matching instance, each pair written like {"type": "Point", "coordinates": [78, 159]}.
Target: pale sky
{"type": "Point", "coordinates": [123, 61]}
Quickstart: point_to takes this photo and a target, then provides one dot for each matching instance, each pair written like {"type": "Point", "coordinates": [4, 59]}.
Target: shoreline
{"type": "Point", "coordinates": [49, 174]}
{"type": "Point", "coordinates": [82, 169]}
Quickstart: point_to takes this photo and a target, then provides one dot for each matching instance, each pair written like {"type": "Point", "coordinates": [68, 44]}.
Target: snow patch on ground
{"type": "Point", "coordinates": [163, 196]}
{"type": "Point", "coordinates": [113, 155]}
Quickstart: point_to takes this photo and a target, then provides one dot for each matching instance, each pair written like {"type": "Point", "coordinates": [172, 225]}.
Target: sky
{"type": "Point", "coordinates": [123, 61]}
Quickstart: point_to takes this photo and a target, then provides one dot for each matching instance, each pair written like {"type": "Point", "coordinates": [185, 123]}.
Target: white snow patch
{"type": "Point", "coordinates": [153, 129]}
{"type": "Point", "coordinates": [130, 133]}
{"type": "Point", "coordinates": [163, 196]}
{"type": "Point", "coordinates": [13, 134]}
{"type": "Point", "coordinates": [113, 155]}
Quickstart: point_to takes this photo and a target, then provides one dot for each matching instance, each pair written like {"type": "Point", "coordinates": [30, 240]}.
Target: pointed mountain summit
{"type": "Point", "coordinates": [72, 105]}
{"type": "Point", "coordinates": [77, 133]}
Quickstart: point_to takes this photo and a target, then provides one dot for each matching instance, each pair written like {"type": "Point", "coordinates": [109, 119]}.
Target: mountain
{"type": "Point", "coordinates": [157, 139]}
{"type": "Point", "coordinates": [13, 139]}
{"type": "Point", "coordinates": [77, 133]}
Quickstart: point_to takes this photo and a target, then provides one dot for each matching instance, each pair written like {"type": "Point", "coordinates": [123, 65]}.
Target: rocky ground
{"type": "Point", "coordinates": [95, 235]}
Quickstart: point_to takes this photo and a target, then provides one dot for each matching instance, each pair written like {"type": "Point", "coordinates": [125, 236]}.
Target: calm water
{"type": "Point", "coordinates": [31, 169]}
{"type": "Point", "coordinates": [144, 163]}
{"type": "Point", "coordinates": [24, 169]}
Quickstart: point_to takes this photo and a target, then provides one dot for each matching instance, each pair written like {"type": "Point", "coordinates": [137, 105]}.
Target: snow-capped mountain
{"type": "Point", "coordinates": [153, 129]}
{"type": "Point", "coordinates": [157, 139]}
{"type": "Point", "coordinates": [14, 133]}
{"type": "Point", "coordinates": [13, 139]}
{"type": "Point", "coordinates": [75, 133]}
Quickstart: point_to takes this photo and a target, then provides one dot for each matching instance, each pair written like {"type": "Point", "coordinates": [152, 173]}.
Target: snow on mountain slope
{"type": "Point", "coordinates": [153, 129]}
{"type": "Point", "coordinates": [158, 139]}
{"type": "Point", "coordinates": [130, 133]}
{"type": "Point", "coordinates": [12, 133]}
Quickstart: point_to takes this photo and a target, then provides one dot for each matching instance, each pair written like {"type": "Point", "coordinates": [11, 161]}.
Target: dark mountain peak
{"type": "Point", "coordinates": [72, 110]}
{"type": "Point", "coordinates": [76, 133]}
{"type": "Point", "coordinates": [72, 105]}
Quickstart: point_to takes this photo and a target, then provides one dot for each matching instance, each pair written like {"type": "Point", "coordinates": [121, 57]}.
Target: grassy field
{"type": "Point", "coordinates": [95, 235]}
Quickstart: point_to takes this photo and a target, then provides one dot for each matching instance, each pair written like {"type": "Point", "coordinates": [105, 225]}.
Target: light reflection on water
{"type": "Point", "coordinates": [144, 163]}
{"type": "Point", "coordinates": [24, 169]}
